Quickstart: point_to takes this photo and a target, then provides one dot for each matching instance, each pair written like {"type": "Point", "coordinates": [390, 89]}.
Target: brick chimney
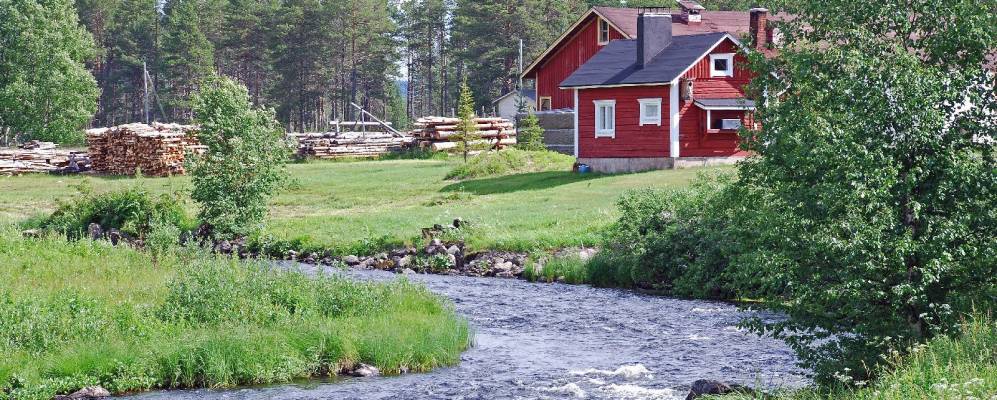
{"type": "Point", "coordinates": [757, 27]}
{"type": "Point", "coordinates": [654, 33]}
{"type": "Point", "coordinates": [691, 11]}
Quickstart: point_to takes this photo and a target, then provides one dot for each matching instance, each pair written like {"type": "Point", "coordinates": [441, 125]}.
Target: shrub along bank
{"type": "Point", "coordinates": [964, 367]}
{"type": "Point", "coordinates": [81, 313]}
{"type": "Point", "coordinates": [721, 239]}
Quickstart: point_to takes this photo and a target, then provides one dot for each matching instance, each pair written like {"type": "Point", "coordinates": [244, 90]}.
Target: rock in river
{"type": "Point", "coordinates": [704, 387]}
{"type": "Point", "coordinates": [364, 370]}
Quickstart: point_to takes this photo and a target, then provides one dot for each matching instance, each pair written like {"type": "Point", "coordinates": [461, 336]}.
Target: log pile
{"type": "Point", "coordinates": [436, 132]}
{"type": "Point", "coordinates": [332, 145]}
{"type": "Point", "coordinates": [37, 156]}
{"type": "Point", "coordinates": [155, 150]}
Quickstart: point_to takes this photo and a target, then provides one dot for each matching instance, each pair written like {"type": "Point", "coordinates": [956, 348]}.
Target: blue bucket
{"type": "Point", "coordinates": [584, 168]}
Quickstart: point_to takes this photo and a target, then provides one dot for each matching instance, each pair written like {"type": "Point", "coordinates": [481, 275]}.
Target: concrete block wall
{"type": "Point", "coordinates": [559, 130]}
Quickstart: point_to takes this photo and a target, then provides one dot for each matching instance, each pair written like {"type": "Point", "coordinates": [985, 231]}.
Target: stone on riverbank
{"type": "Point", "coordinates": [87, 393]}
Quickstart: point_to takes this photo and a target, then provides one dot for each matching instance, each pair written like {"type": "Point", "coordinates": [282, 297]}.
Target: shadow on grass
{"type": "Point", "coordinates": [520, 182]}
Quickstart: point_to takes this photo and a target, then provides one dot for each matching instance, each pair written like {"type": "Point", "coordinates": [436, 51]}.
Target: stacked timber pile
{"type": "Point", "coordinates": [37, 156]}
{"type": "Point", "coordinates": [350, 144]}
{"type": "Point", "coordinates": [155, 150]}
{"type": "Point", "coordinates": [436, 132]}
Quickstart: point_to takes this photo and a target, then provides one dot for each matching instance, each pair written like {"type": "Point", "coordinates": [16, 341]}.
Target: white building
{"type": "Point", "coordinates": [507, 106]}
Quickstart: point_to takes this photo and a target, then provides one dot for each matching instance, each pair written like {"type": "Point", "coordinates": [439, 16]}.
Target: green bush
{"type": "Point", "coordinates": [134, 211]}
{"type": "Point", "coordinates": [673, 241]}
{"type": "Point", "coordinates": [244, 164]}
{"type": "Point", "coordinates": [511, 161]}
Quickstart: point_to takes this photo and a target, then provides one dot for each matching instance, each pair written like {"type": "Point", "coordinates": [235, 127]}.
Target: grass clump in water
{"type": "Point", "coordinates": [75, 314]}
{"type": "Point", "coordinates": [511, 161]}
{"type": "Point", "coordinates": [571, 270]}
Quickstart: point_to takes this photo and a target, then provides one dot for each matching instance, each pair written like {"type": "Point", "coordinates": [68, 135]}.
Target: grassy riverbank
{"type": "Point", "coordinates": [945, 368]}
{"type": "Point", "coordinates": [83, 313]}
{"type": "Point", "coordinates": [346, 205]}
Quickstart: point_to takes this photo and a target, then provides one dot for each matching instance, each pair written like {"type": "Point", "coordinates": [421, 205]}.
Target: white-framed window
{"type": "Point", "coordinates": [605, 118]}
{"type": "Point", "coordinates": [603, 31]}
{"type": "Point", "coordinates": [650, 111]}
{"type": "Point", "coordinates": [722, 64]}
{"type": "Point", "coordinates": [544, 104]}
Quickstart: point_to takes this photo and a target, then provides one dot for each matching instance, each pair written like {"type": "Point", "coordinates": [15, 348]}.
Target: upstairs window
{"type": "Point", "coordinates": [650, 112]}
{"type": "Point", "coordinates": [545, 104]}
{"type": "Point", "coordinates": [603, 31]}
{"type": "Point", "coordinates": [722, 65]}
{"type": "Point", "coordinates": [605, 118]}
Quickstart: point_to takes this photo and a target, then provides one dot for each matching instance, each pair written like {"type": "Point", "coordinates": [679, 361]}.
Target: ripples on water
{"type": "Point", "coordinates": [554, 341]}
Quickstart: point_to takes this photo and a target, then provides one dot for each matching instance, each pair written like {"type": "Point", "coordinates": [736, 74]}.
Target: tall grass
{"type": "Point", "coordinates": [74, 314]}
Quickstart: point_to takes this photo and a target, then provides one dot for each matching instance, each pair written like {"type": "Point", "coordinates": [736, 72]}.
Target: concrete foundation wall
{"type": "Point", "coordinates": [617, 165]}
{"type": "Point", "coordinates": [695, 162]}
{"type": "Point", "coordinates": [620, 165]}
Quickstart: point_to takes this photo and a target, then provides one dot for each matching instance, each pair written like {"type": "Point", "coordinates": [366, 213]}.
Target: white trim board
{"type": "Point", "coordinates": [673, 119]}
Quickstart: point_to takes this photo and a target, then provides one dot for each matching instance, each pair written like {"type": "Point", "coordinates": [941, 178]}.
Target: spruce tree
{"type": "Point", "coordinates": [530, 136]}
{"type": "Point", "coordinates": [466, 136]}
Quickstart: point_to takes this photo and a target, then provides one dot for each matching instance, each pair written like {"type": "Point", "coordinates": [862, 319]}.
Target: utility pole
{"type": "Point", "coordinates": [520, 64]}
{"type": "Point", "coordinates": [145, 92]}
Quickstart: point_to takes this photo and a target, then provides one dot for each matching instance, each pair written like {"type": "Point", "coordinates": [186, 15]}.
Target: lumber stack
{"type": "Point", "coordinates": [437, 132]}
{"type": "Point", "coordinates": [331, 145]}
{"type": "Point", "coordinates": [37, 156]}
{"type": "Point", "coordinates": [155, 150]}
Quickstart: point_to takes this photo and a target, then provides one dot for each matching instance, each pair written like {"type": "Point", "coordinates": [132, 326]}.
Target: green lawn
{"type": "Point", "coordinates": [340, 204]}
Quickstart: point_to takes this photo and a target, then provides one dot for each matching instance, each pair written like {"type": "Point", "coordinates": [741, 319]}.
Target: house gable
{"type": "Point", "coordinates": [569, 52]}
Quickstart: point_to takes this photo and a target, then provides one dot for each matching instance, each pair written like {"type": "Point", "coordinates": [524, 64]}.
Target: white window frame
{"type": "Point", "coordinates": [609, 132]}
{"type": "Point", "coordinates": [598, 32]}
{"type": "Point", "coordinates": [644, 118]}
{"type": "Point", "coordinates": [540, 103]}
{"type": "Point", "coordinates": [714, 73]}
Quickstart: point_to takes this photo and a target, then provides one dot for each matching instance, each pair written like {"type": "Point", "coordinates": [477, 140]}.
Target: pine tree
{"type": "Point", "coordinates": [188, 56]}
{"type": "Point", "coordinates": [46, 91]}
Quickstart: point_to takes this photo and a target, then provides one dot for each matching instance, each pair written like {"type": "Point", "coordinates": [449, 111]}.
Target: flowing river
{"type": "Point", "coordinates": [555, 341]}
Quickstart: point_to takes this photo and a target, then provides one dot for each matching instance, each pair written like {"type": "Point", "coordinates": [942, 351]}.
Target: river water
{"type": "Point", "coordinates": [556, 341]}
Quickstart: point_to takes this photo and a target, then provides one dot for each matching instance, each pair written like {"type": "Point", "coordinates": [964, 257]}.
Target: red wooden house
{"type": "Point", "coordinates": [652, 88]}
{"type": "Point", "coordinates": [660, 100]}
{"type": "Point", "coordinates": [601, 25]}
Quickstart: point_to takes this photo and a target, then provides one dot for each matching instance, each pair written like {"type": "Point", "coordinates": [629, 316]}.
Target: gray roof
{"type": "Point", "coordinates": [527, 93]}
{"type": "Point", "coordinates": [726, 103]}
{"type": "Point", "coordinates": [616, 63]}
